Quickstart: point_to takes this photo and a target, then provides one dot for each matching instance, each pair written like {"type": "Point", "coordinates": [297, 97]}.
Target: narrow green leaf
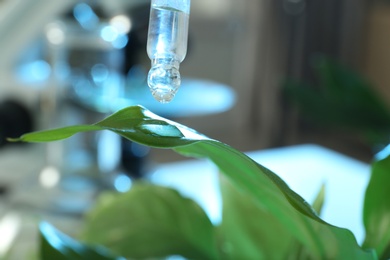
{"type": "Point", "coordinates": [319, 201]}
{"type": "Point", "coordinates": [134, 123]}
{"type": "Point", "coordinates": [55, 134]}
{"type": "Point", "coordinates": [152, 222]}
{"type": "Point", "coordinates": [377, 206]}
{"type": "Point", "coordinates": [56, 245]}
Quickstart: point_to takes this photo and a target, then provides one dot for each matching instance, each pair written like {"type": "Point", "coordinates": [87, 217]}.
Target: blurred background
{"type": "Point", "coordinates": [258, 74]}
{"type": "Point", "coordinates": [253, 49]}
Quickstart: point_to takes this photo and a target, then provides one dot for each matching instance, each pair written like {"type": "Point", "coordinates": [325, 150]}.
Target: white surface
{"type": "Point", "coordinates": [304, 168]}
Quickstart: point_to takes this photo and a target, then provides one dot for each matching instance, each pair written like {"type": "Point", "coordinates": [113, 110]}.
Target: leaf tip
{"type": "Point", "coordinates": [14, 140]}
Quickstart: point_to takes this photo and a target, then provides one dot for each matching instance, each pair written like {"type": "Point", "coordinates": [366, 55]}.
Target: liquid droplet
{"type": "Point", "coordinates": [164, 81]}
{"type": "Point", "coordinates": [163, 95]}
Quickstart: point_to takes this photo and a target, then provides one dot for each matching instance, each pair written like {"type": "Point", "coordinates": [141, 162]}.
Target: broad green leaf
{"type": "Point", "coordinates": [377, 206]}
{"type": "Point", "coordinates": [297, 250]}
{"type": "Point", "coordinates": [58, 246]}
{"type": "Point", "coordinates": [320, 239]}
{"type": "Point", "coordinates": [249, 231]}
{"type": "Point", "coordinates": [151, 222]}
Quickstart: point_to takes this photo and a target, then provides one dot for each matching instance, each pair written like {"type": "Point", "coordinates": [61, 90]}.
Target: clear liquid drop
{"type": "Point", "coordinates": [164, 80]}
{"type": "Point", "coordinates": [163, 95]}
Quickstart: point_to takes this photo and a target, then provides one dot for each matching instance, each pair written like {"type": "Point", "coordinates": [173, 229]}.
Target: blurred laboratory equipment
{"type": "Point", "coordinates": [167, 46]}
{"type": "Point", "coordinates": [91, 55]}
{"type": "Point", "coordinates": [86, 54]}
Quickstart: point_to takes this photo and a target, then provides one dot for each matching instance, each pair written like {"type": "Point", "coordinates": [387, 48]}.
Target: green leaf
{"type": "Point", "coordinates": [297, 250]}
{"type": "Point", "coordinates": [141, 125]}
{"type": "Point", "coordinates": [151, 222]}
{"type": "Point", "coordinates": [54, 134]}
{"type": "Point", "coordinates": [318, 202]}
{"type": "Point", "coordinates": [249, 231]}
{"type": "Point", "coordinates": [377, 206]}
{"type": "Point", "coordinates": [320, 239]}
{"type": "Point", "coordinates": [134, 123]}
{"type": "Point", "coordinates": [342, 99]}
{"type": "Point", "coordinates": [56, 245]}
{"type": "Point", "coordinates": [352, 96]}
